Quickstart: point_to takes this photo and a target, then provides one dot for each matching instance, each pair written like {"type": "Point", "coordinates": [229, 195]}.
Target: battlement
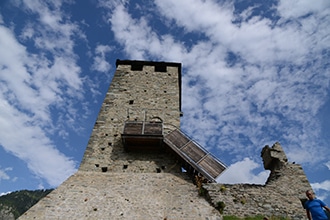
{"type": "Point", "coordinates": [159, 66]}
{"type": "Point", "coordinates": [141, 65]}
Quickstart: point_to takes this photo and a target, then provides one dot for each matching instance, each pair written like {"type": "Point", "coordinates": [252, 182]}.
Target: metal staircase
{"type": "Point", "coordinates": [195, 155]}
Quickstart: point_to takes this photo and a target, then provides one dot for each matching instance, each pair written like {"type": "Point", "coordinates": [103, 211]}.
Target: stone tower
{"type": "Point", "coordinates": [132, 166]}
{"type": "Point", "coordinates": [142, 94]}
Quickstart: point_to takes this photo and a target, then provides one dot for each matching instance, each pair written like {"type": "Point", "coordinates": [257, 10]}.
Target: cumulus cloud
{"type": "Point", "coordinates": [325, 185]}
{"type": "Point", "coordinates": [242, 172]}
{"type": "Point", "coordinates": [322, 188]}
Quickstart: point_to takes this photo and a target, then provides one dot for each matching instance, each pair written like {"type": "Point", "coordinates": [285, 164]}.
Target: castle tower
{"type": "Point", "coordinates": [132, 166]}
{"type": "Point", "coordinates": [142, 104]}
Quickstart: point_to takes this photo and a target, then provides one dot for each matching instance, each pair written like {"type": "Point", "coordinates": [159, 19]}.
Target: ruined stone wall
{"type": "Point", "coordinates": [280, 196]}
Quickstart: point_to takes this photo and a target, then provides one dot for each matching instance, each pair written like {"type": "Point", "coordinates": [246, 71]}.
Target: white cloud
{"type": "Point", "coordinates": [325, 185]}
{"type": "Point", "coordinates": [30, 143]}
{"type": "Point", "coordinates": [100, 62]}
{"type": "Point", "coordinates": [139, 39]}
{"type": "Point", "coordinates": [210, 15]}
{"type": "Point", "coordinates": [38, 91]}
{"type": "Point", "coordinates": [4, 175]}
{"type": "Point", "coordinates": [296, 9]}
{"type": "Point", "coordinates": [5, 193]}
{"type": "Point", "coordinates": [327, 164]}
{"type": "Point", "coordinates": [272, 91]}
{"type": "Point", "coordinates": [322, 189]}
{"type": "Point", "coordinates": [242, 172]}
{"type": "Point", "coordinates": [112, 4]}
{"type": "Point", "coordinates": [53, 31]}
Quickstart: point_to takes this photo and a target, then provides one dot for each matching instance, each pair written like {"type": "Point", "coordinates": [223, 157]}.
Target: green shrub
{"type": "Point", "coordinates": [202, 191]}
{"type": "Point", "coordinates": [222, 188]}
{"type": "Point", "coordinates": [220, 206]}
{"type": "Point", "coordinates": [231, 217]}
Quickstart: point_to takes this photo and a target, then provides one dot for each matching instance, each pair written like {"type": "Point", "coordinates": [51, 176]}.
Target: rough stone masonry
{"type": "Point", "coordinates": [282, 195]}
{"type": "Point", "coordinates": [113, 183]}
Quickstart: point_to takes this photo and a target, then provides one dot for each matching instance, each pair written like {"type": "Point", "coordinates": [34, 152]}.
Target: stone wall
{"type": "Point", "coordinates": [172, 195]}
{"type": "Point", "coordinates": [132, 196]}
{"type": "Point", "coordinates": [280, 196]}
{"type": "Point", "coordinates": [6, 213]}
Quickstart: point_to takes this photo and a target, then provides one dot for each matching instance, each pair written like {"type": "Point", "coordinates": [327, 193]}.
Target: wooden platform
{"type": "Point", "coordinates": [143, 136]}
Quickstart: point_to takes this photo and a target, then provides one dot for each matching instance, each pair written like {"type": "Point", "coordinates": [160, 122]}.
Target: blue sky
{"type": "Point", "coordinates": [254, 72]}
